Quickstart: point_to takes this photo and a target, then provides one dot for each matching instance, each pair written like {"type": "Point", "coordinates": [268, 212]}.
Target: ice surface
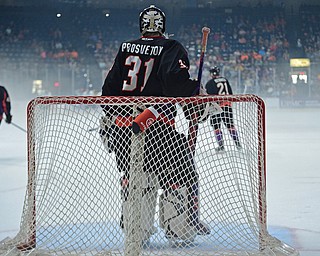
{"type": "Point", "coordinates": [293, 175]}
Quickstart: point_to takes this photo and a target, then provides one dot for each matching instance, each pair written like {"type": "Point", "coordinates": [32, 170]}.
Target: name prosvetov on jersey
{"type": "Point", "coordinates": [142, 49]}
{"type": "Point", "coordinates": [220, 79]}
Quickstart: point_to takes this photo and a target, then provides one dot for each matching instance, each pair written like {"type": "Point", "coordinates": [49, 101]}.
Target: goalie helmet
{"type": "Point", "coordinates": [215, 71]}
{"type": "Point", "coordinates": [152, 19]}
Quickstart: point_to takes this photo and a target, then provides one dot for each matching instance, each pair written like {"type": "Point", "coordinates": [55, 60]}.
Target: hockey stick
{"type": "Point", "coordinates": [19, 127]}
{"type": "Point", "coordinates": [93, 129]}
{"type": "Point", "coordinates": [193, 124]}
{"type": "Point", "coordinates": [205, 34]}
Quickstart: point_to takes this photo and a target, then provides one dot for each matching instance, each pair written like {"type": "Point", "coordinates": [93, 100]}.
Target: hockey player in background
{"type": "Point", "coordinates": [154, 65]}
{"type": "Point", "coordinates": [5, 105]}
{"type": "Point", "coordinates": [219, 85]}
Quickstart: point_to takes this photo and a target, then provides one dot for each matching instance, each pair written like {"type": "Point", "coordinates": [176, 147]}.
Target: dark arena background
{"type": "Point", "coordinates": [65, 47]}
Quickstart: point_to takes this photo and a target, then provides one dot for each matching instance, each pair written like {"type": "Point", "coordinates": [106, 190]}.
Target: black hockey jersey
{"type": "Point", "coordinates": [218, 86]}
{"type": "Point", "coordinates": [150, 66]}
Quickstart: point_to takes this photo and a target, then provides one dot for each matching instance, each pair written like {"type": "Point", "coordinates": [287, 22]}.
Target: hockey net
{"type": "Point", "coordinates": [74, 201]}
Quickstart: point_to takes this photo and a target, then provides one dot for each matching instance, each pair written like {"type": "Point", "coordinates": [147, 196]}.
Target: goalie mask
{"type": "Point", "coordinates": [152, 20]}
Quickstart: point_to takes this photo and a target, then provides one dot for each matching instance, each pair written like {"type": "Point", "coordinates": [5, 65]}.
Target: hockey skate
{"type": "Point", "coordinates": [238, 145]}
{"type": "Point", "coordinates": [202, 228]}
{"type": "Point", "coordinates": [220, 149]}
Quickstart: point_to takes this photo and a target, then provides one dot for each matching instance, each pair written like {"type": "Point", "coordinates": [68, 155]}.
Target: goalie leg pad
{"type": "Point", "coordinates": [174, 215]}
{"type": "Point", "coordinates": [148, 205]}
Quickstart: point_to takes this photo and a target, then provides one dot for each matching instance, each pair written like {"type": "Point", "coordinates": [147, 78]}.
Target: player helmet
{"type": "Point", "coordinates": [215, 71]}
{"type": "Point", "coordinates": [152, 19]}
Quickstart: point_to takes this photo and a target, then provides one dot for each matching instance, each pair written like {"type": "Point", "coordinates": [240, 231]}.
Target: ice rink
{"type": "Point", "coordinates": [293, 178]}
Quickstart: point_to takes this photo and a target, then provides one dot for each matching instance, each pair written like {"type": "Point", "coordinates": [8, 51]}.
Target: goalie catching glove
{"type": "Point", "coordinates": [201, 111]}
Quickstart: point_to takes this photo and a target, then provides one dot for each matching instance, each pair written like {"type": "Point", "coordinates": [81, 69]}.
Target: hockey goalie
{"type": "Point", "coordinates": [153, 65]}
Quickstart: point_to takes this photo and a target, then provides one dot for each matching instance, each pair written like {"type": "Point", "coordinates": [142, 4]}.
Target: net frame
{"type": "Point", "coordinates": [26, 240]}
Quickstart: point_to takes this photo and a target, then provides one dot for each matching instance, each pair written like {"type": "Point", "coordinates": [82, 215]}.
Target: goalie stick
{"type": "Point", "coordinates": [193, 124]}
{"type": "Point", "coordinates": [205, 34]}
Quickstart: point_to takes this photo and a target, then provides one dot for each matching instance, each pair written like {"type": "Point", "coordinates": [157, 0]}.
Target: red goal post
{"type": "Point", "coordinates": [73, 200]}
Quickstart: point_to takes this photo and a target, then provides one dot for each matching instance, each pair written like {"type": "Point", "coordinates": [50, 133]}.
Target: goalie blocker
{"type": "Point", "coordinates": [179, 213]}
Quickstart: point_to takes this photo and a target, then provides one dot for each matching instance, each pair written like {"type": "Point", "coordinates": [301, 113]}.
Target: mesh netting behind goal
{"type": "Point", "coordinates": [192, 183]}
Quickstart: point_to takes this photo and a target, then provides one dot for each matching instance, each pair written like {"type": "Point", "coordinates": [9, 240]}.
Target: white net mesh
{"type": "Point", "coordinates": [179, 188]}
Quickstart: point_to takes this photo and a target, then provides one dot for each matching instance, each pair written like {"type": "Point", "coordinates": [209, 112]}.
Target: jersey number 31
{"type": "Point", "coordinates": [136, 63]}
